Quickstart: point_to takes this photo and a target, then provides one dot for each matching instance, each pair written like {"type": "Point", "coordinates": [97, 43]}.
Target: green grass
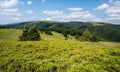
{"type": "Point", "coordinates": [96, 24]}
{"type": "Point", "coordinates": [10, 34]}
{"type": "Point", "coordinates": [58, 55]}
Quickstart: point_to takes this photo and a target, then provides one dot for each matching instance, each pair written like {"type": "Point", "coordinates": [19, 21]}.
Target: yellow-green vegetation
{"type": "Point", "coordinates": [12, 34]}
{"type": "Point", "coordinates": [58, 55]}
{"type": "Point", "coordinates": [6, 34]}
{"type": "Point", "coordinates": [96, 24]}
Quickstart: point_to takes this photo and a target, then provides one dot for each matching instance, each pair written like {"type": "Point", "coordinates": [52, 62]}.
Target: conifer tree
{"type": "Point", "coordinates": [65, 34]}
{"type": "Point", "coordinates": [94, 38]}
{"type": "Point", "coordinates": [34, 33]}
{"type": "Point", "coordinates": [24, 36]}
{"type": "Point", "coordinates": [86, 36]}
{"type": "Point", "coordinates": [30, 34]}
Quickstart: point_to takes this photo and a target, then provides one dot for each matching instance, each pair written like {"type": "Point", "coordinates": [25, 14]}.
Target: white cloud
{"type": "Point", "coordinates": [113, 10]}
{"type": "Point", "coordinates": [43, 0]}
{"type": "Point", "coordinates": [103, 6]}
{"type": "Point", "coordinates": [114, 7]}
{"type": "Point", "coordinates": [29, 2]}
{"type": "Point", "coordinates": [75, 15]}
{"type": "Point", "coordinates": [114, 15]}
{"type": "Point", "coordinates": [7, 8]}
{"type": "Point", "coordinates": [10, 10]}
{"type": "Point", "coordinates": [32, 17]}
{"type": "Point", "coordinates": [113, 19]}
{"type": "Point", "coordinates": [52, 12]}
{"type": "Point", "coordinates": [16, 19]}
{"type": "Point", "coordinates": [22, 2]}
{"type": "Point", "coordinates": [110, 1]}
{"type": "Point", "coordinates": [29, 11]}
{"type": "Point", "coordinates": [19, 14]}
{"type": "Point", "coordinates": [9, 3]}
{"type": "Point", "coordinates": [74, 9]}
{"type": "Point", "coordinates": [117, 3]}
{"type": "Point", "coordinates": [46, 18]}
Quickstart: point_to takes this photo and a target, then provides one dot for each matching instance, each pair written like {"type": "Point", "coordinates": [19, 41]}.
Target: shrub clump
{"type": "Point", "coordinates": [30, 33]}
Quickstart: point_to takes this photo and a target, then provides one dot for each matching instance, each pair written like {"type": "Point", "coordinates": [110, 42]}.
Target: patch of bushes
{"type": "Point", "coordinates": [30, 34]}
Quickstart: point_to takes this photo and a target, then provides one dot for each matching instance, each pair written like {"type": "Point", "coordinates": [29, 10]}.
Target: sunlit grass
{"type": "Point", "coordinates": [51, 55]}
{"type": "Point", "coordinates": [6, 34]}
{"type": "Point", "coordinates": [54, 54]}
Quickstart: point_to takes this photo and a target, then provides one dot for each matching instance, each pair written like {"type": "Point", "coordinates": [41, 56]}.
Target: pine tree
{"type": "Point", "coordinates": [30, 34]}
{"type": "Point", "coordinates": [65, 34]}
{"type": "Point", "coordinates": [86, 36]}
{"type": "Point", "coordinates": [94, 39]}
{"type": "Point", "coordinates": [33, 33]}
{"type": "Point", "coordinates": [24, 36]}
{"type": "Point", "coordinates": [48, 31]}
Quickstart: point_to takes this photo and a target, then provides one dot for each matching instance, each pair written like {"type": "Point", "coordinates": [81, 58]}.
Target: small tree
{"type": "Point", "coordinates": [24, 36]}
{"type": "Point", "coordinates": [65, 34]}
{"type": "Point", "coordinates": [94, 39]}
{"type": "Point", "coordinates": [48, 31]}
{"type": "Point", "coordinates": [33, 33]}
{"type": "Point", "coordinates": [86, 36]}
{"type": "Point", "coordinates": [30, 34]}
{"type": "Point", "coordinates": [77, 37]}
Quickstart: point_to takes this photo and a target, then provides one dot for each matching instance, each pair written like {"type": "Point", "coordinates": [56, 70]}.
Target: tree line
{"type": "Point", "coordinates": [32, 34]}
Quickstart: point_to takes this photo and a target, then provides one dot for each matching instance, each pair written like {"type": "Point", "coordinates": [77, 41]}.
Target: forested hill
{"type": "Point", "coordinates": [110, 32]}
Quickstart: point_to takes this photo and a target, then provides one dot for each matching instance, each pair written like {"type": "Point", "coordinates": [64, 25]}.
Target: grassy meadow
{"type": "Point", "coordinates": [54, 54]}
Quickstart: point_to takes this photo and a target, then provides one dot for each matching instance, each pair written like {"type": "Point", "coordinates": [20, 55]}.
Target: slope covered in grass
{"type": "Point", "coordinates": [13, 34]}
{"type": "Point", "coordinates": [54, 54]}
{"type": "Point", "coordinates": [6, 34]}
{"type": "Point", "coordinates": [59, 56]}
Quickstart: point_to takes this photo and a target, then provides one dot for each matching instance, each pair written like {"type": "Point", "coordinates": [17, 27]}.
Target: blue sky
{"type": "Point", "coordinates": [12, 11]}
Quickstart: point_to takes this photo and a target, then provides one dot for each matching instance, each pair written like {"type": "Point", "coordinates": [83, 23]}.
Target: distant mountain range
{"type": "Point", "coordinates": [110, 32]}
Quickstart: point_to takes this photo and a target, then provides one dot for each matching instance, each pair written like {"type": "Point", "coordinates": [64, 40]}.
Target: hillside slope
{"type": "Point", "coordinates": [59, 56]}
{"type": "Point", "coordinates": [109, 32]}
{"type": "Point", "coordinates": [54, 54]}
{"type": "Point", "coordinates": [9, 34]}
{"type": "Point", "coordinates": [13, 34]}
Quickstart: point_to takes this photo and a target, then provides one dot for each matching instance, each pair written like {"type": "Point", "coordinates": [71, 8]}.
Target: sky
{"type": "Point", "coordinates": [14, 11]}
